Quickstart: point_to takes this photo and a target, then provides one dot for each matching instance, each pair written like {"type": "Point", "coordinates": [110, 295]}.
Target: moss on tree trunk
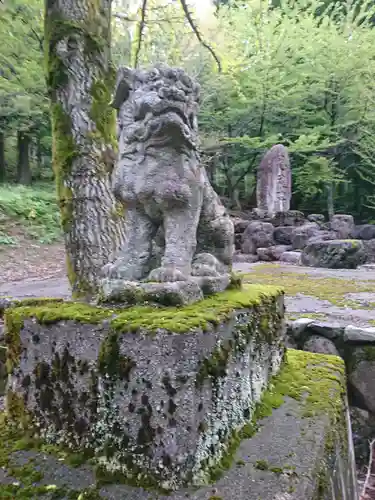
{"type": "Point", "coordinates": [2, 157]}
{"type": "Point", "coordinates": [80, 80]}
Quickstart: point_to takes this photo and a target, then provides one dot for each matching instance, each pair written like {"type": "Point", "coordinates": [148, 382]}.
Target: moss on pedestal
{"type": "Point", "coordinates": [203, 315]}
{"type": "Point", "coordinates": [251, 311]}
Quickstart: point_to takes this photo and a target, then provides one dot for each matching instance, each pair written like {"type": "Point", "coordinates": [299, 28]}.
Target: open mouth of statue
{"type": "Point", "coordinates": [173, 113]}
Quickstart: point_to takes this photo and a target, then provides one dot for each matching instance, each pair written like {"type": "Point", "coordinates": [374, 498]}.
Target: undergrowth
{"type": "Point", "coordinates": [29, 211]}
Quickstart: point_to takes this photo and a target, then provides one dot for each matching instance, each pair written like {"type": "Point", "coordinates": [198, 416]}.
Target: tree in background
{"type": "Point", "coordinates": [296, 74]}
{"type": "Point", "coordinates": [23, 98]}
{"type": "Point", "coordinates": [291, 74]}
{"type": "Point", "coordinates": [80, 80]}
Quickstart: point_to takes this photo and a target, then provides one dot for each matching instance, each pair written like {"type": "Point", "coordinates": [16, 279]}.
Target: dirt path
{"type": "Point", "coordinates": [30, 260]}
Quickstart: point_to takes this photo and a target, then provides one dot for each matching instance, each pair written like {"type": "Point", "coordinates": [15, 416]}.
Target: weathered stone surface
{"type": "Point", "coordinates": [5, 303]}
{"type": "Point", "coordinates": [357, 335]}
{"type": "Point", "coordinates": [328, 330]}
{"type": "Point", "coordinates": [291, 257]}
{"type": "Point", "coordinates": [257, 235]}
{"type": "Point", "coordinates": [302, 234]}
{"type": "Point", "coordinates": [303, 449]}
{"type": "Point", "coordinates": [321, 236]}
{"type": "Point", "coordinates": [369, 246]}
{"type": "Point", "coordinates": [160, 180]}
{"type": "Point", "coordinates": [304, 328]}
{"type": "Point", "coordinates": [318, 218]}
{"type": "Point", "coordinates": [289, 218]}
{"type": "Point", "coordinates": [298, 327]}
{"type": "Point", "coordinates": [320, 345]}
{"type": "Point", "coordinates": [245, 257]}
{"type": "Point", "coordinates": [364, 232]}
{"type": "Point", "coordinates": [361, 377]}
{"type": "Point", "coordinates": [342, 225]}
{"type": "Point", "coordinates": [368, 267]}
{"type": "Point", "coordinates": [240, 224]}
{"type": "Point", "coordinates": [259, 214]}
{"type": "Point", "coordinates": [272, 253]}
{"type": "Point", "coordinates": [274, 181]}
{"type": "Point", "coordinates": [334, 254]}
{"type": "Point", "coordinates": [283, 235]}
{"type": "Point", "coordinates": [153, 392]}
{"type": "Point", "coordinates": [172, 293]}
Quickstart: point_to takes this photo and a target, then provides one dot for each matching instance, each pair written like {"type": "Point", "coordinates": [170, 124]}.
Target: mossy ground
{"type": "Point", "coordinates": [333, 290]}
{"type": "Point", "coordinates": [28, 478]}
{"type": "Point", "coordinates": [315, 316]}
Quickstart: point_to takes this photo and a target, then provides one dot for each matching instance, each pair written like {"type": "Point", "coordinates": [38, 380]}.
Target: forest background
{"type": "Point", "coordinates": [296, 72]}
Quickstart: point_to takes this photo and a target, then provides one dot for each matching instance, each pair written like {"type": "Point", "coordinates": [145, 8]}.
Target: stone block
{"type": "Point", "coordinates": [154, 393]}
{"type": "Point", "coordinates": [298, 445]}
{"type": "Point", "coordinates": [290, 257]}
{"type": "Point", "coordinates": [334, 254]}
{"type": "Point", "coordinates": [359, 335]}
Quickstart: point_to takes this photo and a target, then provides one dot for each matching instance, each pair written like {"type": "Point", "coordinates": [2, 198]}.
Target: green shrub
{"type": "Point", "coordinates": [32, 208]}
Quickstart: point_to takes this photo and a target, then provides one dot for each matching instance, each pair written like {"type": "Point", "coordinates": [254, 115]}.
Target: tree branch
{"type": "Point", "coordinates": [197, 33]}
{"type": "Point", "coordinates": [140, 32]}
{"type": "Point", "coordinates": [39, 39]}
{"type": "Point", "coordinates": [124, 17]}
{"type": "Point", "coordinates": [368, 492]}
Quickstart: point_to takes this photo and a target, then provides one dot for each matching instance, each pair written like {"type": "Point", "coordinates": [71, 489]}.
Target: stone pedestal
{"type": "Point", "coordinates": [155, 393]}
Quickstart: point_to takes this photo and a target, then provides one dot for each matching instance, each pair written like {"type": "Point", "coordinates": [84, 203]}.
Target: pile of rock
{"type": "Point", "coordinates": [311, 241]}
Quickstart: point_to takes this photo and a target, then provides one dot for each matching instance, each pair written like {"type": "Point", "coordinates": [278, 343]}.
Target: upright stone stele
{"type": "Point", "coordinates": [163, 185]}
{"type": "Point", "coordinates": [274, 181]}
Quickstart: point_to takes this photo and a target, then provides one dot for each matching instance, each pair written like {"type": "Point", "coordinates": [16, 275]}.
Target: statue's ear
{"type": "Point", "coordinates": [123, 87]}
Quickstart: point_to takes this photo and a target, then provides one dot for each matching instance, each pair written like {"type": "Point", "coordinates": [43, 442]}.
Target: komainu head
{"type": "Point", "coordinates": [157, 107]}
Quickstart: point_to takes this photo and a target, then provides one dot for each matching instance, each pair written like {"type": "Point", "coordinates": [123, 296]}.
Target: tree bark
{"type": "Point", "coordinates": [23, 163]}
{"type": "Point", "coordinates": [80, 80]}
{"type": "Point", "coordinates": [2, 157]}
{"type": "Point", "coordinates": [330, 202]}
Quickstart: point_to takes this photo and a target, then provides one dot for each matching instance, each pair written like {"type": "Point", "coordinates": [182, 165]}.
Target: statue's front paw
{"type": "Point", "coordinates": [204, 270]}
{"type": "Point", "coordinates": [166, 274]}
{"type": "Point", "coordinates": [119, 269]}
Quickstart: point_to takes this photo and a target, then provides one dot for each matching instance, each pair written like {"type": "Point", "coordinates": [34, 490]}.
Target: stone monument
{"type": "Point", "coordinates": [160, 180]}
{"type": "Point", "coordinates": [274, 181]}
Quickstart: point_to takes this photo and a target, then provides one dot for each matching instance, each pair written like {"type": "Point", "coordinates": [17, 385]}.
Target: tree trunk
{"type": "Point", "coordinates": [80, 80]}
{"type": "Point", "coordinates": [23, 163]}
{"type": "Point", "coordinates": [38, 155]}
{"type": "Point", "coordinates": [2, 157]}
{"type": "Point", "coordinates": [330, 204]}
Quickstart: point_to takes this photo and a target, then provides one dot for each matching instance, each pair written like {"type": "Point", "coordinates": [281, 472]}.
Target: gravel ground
{"type": "Point", "coordinates": [296, 305]}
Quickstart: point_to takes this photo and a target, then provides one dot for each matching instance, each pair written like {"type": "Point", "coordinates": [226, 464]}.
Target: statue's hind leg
{"type": "Point", "coordinates": [133, 262]}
